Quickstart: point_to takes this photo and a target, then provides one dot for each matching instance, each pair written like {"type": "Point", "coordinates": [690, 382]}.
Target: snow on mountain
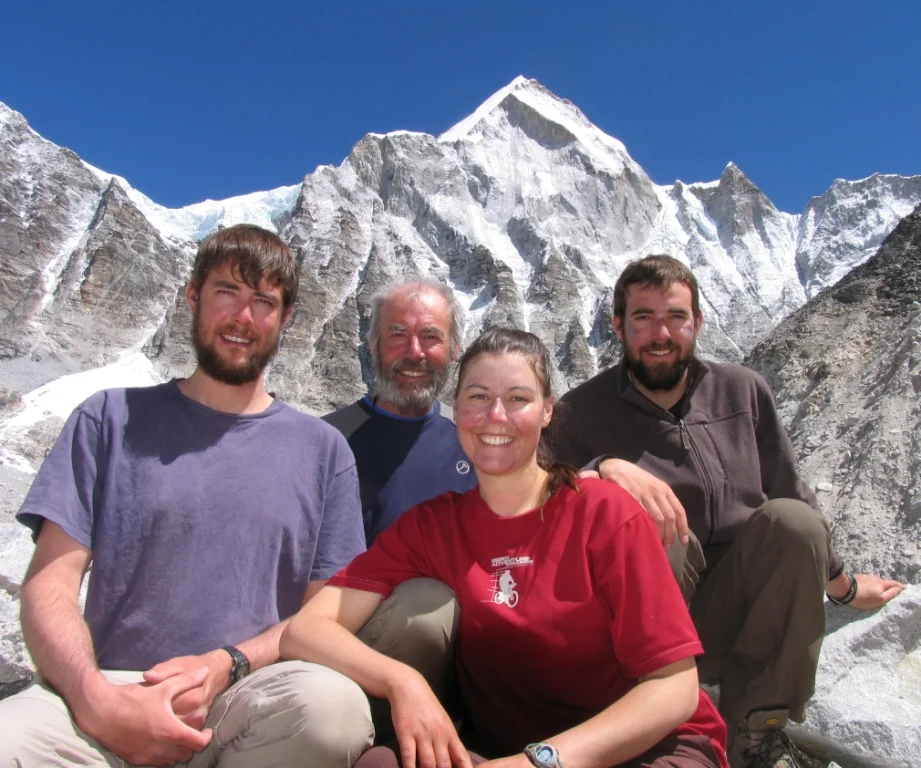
{"type": "Point", "coordinates": [603, 147]}
{"type": "Point", "coordinates": [846, 225]}
{"type": "Point", "coordinates": [526, 208]}
{"type": "Point", "coordinates": [58, 398]}
{"type": "Point", "coordinates": [194, 222]}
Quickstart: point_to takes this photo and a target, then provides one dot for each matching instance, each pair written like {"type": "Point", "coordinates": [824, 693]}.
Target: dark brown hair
{"type": "Point", "coordinates": [509, 341]}
{"type": "Point", "coordinates": [657, 271]}
{"type": "Point", "coordinates": [255, 253]}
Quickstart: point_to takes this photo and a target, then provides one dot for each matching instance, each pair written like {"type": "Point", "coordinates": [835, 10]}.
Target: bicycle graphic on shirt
{"type": "Point", "coordinates": [505, 593]}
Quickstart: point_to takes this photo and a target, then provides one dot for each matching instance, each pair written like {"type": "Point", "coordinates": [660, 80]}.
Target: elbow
{"type": "Point", "coordinates": [690, 702]}
{"type": "Point", "coordinates": [689, 698]}
{"type": "Point", "coordinates": [293, 643]}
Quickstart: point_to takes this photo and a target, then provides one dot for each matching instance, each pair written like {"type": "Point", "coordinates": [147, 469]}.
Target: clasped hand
{"type": "Point", "coordinates": [159, 721]}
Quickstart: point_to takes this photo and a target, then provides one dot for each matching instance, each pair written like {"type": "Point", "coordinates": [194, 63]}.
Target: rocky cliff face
{"type": "Point", "coordinates": [846, 372]}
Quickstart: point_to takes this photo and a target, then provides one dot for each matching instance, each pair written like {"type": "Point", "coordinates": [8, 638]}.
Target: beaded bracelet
{"type": "Point", "coordinates": [851, 593]}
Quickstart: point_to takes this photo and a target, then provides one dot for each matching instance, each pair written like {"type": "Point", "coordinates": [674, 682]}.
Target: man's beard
{"type": "Point", "coordinates": [237, 373]}
{"type": "Point", "coordinates": [414, 398]}
{"type": "Point", "coordinates": [662, 377]}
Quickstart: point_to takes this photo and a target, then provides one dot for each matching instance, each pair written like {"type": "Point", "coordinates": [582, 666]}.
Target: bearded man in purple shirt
{"type": "Point", "coordinates": [209, 511]}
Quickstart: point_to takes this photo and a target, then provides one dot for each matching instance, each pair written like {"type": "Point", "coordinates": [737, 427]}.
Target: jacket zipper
{"type": "Point", "coordinates": [708, 486]}
{"type": "Point", "coordinates": [683, 430]}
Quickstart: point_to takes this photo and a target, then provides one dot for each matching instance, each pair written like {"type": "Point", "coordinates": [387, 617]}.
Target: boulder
{"type": "Point", "coordinates": [868, 689]}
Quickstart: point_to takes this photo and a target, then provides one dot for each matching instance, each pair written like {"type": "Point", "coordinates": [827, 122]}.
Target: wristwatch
{"type": "Point", "coordinates": [240, 668]}
{"type": "Point", "coordinates": [543, 755]}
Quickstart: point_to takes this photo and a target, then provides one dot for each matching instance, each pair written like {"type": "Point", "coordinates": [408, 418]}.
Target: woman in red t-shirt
{"type": "Point", "coordinates": [574, 647]}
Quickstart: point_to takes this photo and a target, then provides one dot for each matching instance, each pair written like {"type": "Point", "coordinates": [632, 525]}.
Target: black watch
{"type": "Point", "coordinates": [240, 668]}
{"type": "Point", "coordinates": [542, 755]}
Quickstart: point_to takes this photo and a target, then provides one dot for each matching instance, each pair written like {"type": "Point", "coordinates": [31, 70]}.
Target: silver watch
{"type": "Point", "coordinates": [543, 755]}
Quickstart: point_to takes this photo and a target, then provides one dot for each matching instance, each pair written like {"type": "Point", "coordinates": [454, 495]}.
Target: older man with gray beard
{"type": "Point", "coordinates": [404, 440]}
{"type": "Point", "coordinates": [406, 452]}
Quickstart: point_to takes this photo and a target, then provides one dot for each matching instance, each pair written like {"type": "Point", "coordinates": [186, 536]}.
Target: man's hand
{"type": "Point", "coordinates": [654, 496]}
{"type": "Point", "coordinates": [137, 721]}
{"type": "Point", "coordinates": [426, 734]}
{"type": "Point", "coordinates": [872, 591]}
{"type": "Point", "coordinates": [193, 705]}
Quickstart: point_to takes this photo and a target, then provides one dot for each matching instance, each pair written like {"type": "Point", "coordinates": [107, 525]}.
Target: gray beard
{"type": "Point", "coordinates": [416, 398]}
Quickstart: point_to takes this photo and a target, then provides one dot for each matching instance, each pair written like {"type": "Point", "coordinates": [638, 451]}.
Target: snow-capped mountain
{"type": "Point", "coordinates": [527, 209]}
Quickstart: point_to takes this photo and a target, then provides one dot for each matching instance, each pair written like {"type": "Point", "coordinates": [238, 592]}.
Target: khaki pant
{"type": "Point", "coordinates": [291, 713]}
{"type": "Point", "coordinates": [760, 612]}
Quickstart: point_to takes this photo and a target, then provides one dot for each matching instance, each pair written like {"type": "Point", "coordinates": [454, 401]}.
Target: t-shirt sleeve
{"type": "Point", "coordinates": [70, 480]}
{"type": "Point", "coordinates": [342, 535]}
{"type": "Point", "coordinates": [650, 624]}
{"type": "Point", "coordinates": [398, 554]}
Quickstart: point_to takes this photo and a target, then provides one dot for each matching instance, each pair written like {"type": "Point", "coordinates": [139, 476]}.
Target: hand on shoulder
{"type": "Point", "coordinates": [655, 496]}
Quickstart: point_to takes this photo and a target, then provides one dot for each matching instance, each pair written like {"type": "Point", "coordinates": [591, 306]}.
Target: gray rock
{"type": "Point", "coordinates": [868, 690]}
{"type": "Point", "coordinates": [842, 371]}
{"type": "Point", "coordinates": [15, 553]}
{"type": "Point", "coordinates": [14, 660]}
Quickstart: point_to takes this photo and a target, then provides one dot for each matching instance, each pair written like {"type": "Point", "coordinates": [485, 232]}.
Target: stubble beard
{"type": "Point", "coordinates": [411, 398]}
{"type": "Point", "coordinates": [235, 374]}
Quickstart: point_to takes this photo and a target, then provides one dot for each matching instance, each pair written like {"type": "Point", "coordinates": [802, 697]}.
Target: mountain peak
{"type": "Point", "coordinates": [466, 126]}
{"type": "Point", "coordinates": [9, 116]}
{"type": "Point", "coordinates": [534, 97]}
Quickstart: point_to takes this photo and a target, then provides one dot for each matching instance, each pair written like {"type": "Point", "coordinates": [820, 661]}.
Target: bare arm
{"type": "Point", "coordinates": [54, 629]}
{"type": "Point", "coordinates": [323, 631]}
{"type": "Point", "coordinates": [631, 725]}
{"type": "Point", "coordinates": [135, 722]}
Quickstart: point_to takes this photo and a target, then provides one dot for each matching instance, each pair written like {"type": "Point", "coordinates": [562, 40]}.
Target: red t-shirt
{"type": "Point", "coordinates": [561, 610]}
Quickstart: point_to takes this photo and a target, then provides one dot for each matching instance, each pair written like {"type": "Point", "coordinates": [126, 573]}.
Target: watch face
{"type": "Point", "coordinates": [240, 671]}
{"type": "Point", "coordinates": [544, 755]}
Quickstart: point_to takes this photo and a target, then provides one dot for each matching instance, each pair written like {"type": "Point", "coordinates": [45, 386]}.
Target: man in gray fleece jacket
{"type": "Point", "coordinates": [701, 447]}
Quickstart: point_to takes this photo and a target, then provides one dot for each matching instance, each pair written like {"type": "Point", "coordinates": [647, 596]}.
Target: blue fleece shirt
{"type": "Point", "coordinates": [403, 462]}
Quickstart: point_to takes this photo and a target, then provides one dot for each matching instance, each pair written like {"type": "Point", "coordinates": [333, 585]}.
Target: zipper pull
{"type": "Point", "coordinates": [685, 441]}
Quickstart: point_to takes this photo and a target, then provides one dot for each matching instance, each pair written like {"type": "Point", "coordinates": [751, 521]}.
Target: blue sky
{"type": "Point", "coordinates": [194, 100]}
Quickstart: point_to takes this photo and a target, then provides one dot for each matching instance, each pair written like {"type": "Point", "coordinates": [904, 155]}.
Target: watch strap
{"type": "Point", "coordinates": [240, 667]}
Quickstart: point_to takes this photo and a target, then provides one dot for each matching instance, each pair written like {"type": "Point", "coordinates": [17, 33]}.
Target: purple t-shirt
{"type": "Point", "coordinates": [205, 527]}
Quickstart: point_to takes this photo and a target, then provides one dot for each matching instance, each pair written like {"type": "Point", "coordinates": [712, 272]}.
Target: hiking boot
{"type": "Point", "coordinates": [759, 741]}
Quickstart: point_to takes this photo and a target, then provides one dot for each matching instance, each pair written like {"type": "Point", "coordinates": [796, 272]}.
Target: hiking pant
{"type": "Point", "coordinates": [760, 611]}
{"type": "Point", "coordinates": [288, 713]}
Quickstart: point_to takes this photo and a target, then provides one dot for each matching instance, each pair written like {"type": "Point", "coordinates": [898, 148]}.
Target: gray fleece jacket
{"type": "Point", "coordinates": [723, 457]}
